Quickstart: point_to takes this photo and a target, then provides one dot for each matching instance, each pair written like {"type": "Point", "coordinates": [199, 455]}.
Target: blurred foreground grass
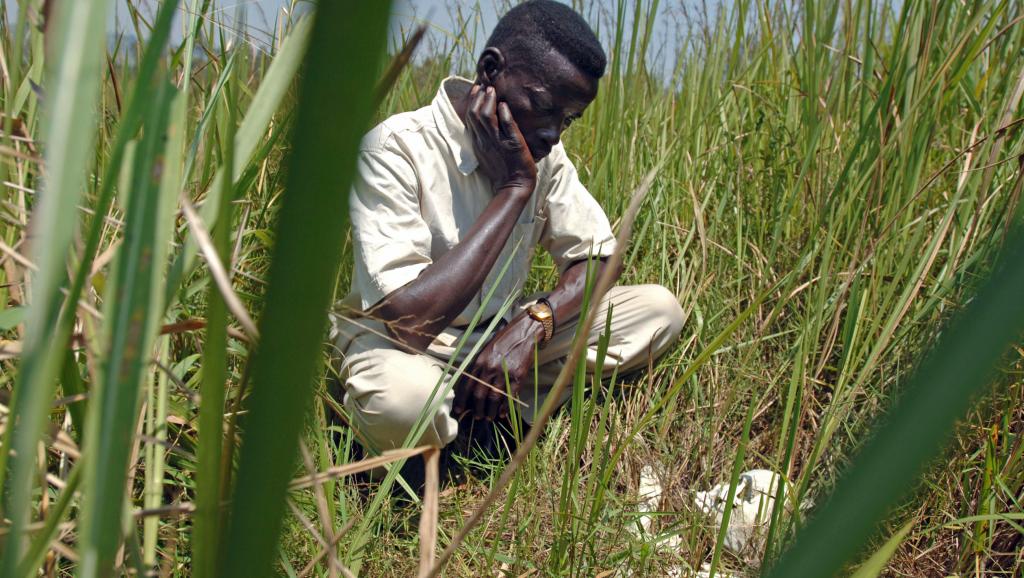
{"type": "Point", "coordinates": [840, 177]}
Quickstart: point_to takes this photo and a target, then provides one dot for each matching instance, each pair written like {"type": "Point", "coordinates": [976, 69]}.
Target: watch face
{"type": "Point", "coordinates": [538, 311]}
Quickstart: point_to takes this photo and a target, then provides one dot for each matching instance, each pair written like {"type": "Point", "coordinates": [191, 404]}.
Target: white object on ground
{"type": "Point", "coordinates": [650, 492]}
{"type": "Point", "coordinates": [650, 495]}
{"type": "Point", "coordinates": [751, 512]}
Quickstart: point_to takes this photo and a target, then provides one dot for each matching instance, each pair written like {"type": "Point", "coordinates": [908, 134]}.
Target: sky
{"type": "Point", "coordinates": [261, 16]}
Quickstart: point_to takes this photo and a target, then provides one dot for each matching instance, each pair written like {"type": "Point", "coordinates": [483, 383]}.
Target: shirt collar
{"type": "Point", "coordinates": [451, 126]}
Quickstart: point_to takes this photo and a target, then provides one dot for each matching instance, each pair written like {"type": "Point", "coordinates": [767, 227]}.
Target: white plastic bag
{"type": "Point", "coordinates": [751, 513]}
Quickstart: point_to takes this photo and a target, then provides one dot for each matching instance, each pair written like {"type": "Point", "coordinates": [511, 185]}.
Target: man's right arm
{"type": "Point", "coordinates": [416, 312]}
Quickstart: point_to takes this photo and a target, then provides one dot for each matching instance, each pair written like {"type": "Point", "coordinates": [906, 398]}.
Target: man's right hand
{"type": "Point", "coordinates": [500, 148]}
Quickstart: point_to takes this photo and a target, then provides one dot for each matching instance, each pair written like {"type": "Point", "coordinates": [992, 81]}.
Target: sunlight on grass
{"type": "Point", "coordinates": [834, 185]}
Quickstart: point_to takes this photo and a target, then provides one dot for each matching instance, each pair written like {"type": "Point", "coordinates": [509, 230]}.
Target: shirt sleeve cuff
{"type": "Point", "coordinates": [389, 281]}
{"type": "Point", "coordinates": [583, 251]}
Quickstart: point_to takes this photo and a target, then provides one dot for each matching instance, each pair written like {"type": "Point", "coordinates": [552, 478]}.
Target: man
{"type": "Point", "coordinates": [449, 202]}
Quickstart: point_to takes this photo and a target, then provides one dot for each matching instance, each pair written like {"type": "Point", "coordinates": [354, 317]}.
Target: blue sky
{"type": "Point", "coordinates": [261, 16]}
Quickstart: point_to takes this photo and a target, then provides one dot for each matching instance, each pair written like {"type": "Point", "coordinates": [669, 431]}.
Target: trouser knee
{"type": "Point", "coordinates": [400, 400]}
{"type": "Point", "coordinates": [666, 314]}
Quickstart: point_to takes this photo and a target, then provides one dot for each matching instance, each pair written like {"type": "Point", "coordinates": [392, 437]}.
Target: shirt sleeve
{"type": "Point", "coordinates": [576, 226]}
{"type": "Point", "coordinates": [391, 240]}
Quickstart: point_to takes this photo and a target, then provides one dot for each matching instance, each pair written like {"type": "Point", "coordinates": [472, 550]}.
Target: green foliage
{"type": "Point", "coordinates": [133, 302]}
{"type": "Point", "coordinates": [70, 134]}
{"type": "Point", "coordinates": [836, 181]}
{"type": "Point", "coordinates": [913, 432]}
{"type": "Point", "coordinates": [334, 112]}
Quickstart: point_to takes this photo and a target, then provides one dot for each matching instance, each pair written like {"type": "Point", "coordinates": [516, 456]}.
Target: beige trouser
{"type": "Point", "coordinates": [390, 392]}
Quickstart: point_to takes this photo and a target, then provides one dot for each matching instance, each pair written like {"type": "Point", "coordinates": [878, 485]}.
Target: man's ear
{"type": "Point", "coordinates": [490, 65]}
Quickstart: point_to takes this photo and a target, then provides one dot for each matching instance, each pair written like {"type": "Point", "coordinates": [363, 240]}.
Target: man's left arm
{"type": "Point", "coordinates": [511, 351]}
{"type": "Point", "coordinates": [567, 297]}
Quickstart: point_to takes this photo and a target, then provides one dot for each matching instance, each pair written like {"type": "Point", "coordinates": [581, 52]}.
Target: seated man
{"type": "Point", "coordinates": [447, 207]}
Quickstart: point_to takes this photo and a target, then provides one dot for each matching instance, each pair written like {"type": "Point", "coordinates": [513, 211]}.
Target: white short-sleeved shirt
{"type": "Point", "coordinates": [418, 191]}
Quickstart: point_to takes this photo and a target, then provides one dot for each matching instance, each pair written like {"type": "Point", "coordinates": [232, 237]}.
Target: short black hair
{"type": "Point", "coordinates": [534, 27]}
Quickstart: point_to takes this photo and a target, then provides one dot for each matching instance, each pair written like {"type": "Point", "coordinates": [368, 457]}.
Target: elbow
{"type": "Point", "coordinates": [403, 324]}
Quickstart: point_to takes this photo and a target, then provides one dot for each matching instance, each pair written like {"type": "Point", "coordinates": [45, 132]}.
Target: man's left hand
{"type": "Point", "coordinates": [509, 353]}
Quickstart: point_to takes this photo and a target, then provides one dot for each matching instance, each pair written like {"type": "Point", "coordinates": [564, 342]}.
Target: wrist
{"type": "Point", "coordinates": [526, 329]}
{"type": "Point", "coordinates": [519, 189]}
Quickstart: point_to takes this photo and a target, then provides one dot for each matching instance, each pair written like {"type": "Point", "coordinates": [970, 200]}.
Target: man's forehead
{"type": "Point", "coordinates": [559, 76]}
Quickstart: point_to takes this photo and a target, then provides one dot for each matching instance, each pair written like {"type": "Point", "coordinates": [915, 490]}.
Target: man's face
{"type": "Point", "coordinates": [544, 100]}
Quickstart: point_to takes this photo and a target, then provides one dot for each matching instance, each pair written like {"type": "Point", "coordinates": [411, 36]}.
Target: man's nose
{"type": "Point", "coordinates": [549, 135]}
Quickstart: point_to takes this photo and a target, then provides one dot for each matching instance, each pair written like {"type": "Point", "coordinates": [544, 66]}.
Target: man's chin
{"type": "Point", "coordinates": [540, 155]}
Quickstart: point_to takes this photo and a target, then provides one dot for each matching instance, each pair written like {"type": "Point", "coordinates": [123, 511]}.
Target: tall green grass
{"type": "Point", "coordinates": [834, 182]}
{"type": "Point", "coordinates": [75, 81]}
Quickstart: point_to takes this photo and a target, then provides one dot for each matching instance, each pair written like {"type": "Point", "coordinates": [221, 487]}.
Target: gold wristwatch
{"type": "Point", "coordinates": [541, 311]}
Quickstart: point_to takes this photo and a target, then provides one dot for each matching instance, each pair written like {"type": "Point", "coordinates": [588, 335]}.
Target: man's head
{"type": "Point", "coordinates": [544, 61]}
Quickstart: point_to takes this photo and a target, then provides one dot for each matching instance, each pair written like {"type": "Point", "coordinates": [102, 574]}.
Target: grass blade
{"type": "Point", "coordinates": [156, 453]}
{"type": "Point", "coordinates": [333, 111]}
{"type": "Point", "coordinates": [916, 428]}
{"type": "Point", "coordinates": [133, 301]}
{"type": "Point", "coordinates": [69, 133]}
{"type": "Point", "coordinates": [734, 480]}
{"type": "Point", "coordinates": [214, 373]}
{"type": "Point", "coordinates": [873, 566]}
{"type": "Point", "coordinates": [274, 87]}
{"type": "Point", "coordinates": [428, 518]}
{"type": "Point", "coordinates": [39, 545]}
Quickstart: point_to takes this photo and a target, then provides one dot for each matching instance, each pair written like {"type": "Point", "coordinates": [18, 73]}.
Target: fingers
{"type": "Point", "coordinates": [508, 128]}
{"type": "Point", "coordinates": [483, 110]}
{"type": "Point", "coordinates": [475, 110]}
{"type": "Point", "coordinates": [462, 390]}
{"type": "Point", "coordinates": [494, 402]}
{"type": "Point", "coordinates": [507, 124]}
{"type": "Point", "coordinates": [512, 396]}
{"type": "Point", "coordinates": [490, 105]}
{"type": "Point", "coordinates": [482, 391]}
{"type": "Point", "coordinates": [478, 127]}
{"type": "Point", "coordinates": [479, 401]}
{"type": "Point", "coordinates": [499, 399]}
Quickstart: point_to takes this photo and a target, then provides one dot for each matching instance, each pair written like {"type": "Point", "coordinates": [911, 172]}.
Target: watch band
{"type": "Point", "coordinates": [551, 310]}
{"type": "Point", "coordinates": [546, 318]}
